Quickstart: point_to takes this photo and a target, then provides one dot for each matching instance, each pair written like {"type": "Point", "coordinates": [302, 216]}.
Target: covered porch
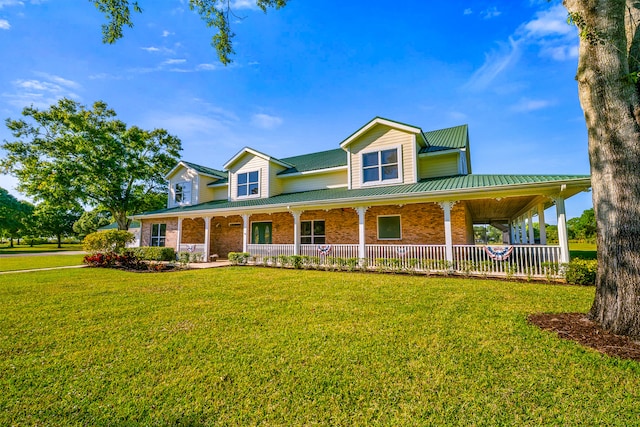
{"type": "Point", "coordinates": [435, 237]}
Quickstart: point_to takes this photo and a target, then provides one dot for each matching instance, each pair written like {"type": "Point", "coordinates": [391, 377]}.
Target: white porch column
{"type": "Point", "coordinates": [448, 236]}
{"type": "Point", "coordinates": [296, 232]}
{"type": "Point", "coordinates": [523, 231]}
{"type": "Point", "coordinates": [532, 236]}
{"type": "Point", "coordinates": [563, 238]}
{"type": "Point", "coordinates": [245, 233]}
{"type": "Point", "coordinates": [512, 233]}
{"type": "Point", "coordinates": [362, 243]}
{"type": "Point", "coordinates": [543, 226]}
{"type": "Point", "coordinates": [179, 235]}
{"type": "Point", "coordinates": [207, 238]}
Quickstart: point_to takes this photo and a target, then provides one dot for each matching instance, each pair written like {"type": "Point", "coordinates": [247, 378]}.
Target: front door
{"type": "Point", "coordinates": [261, 233]}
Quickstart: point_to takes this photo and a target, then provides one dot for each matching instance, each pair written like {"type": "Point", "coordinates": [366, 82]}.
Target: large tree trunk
{"type": "Point", "coordinates": [121, 219]}
{"type": "Point", "coordinates": [610, 102]}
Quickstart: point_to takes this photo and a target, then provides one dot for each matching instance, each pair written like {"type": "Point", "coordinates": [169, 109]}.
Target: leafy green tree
{"type": "Point", "coordinates": [15, 217]}
{"type": "Point", "coordinates": [582, 227]}
{"type": "Point", "coordinates": [68, 153]}
{"type": "Point", "coordinates": [56, 220]}
{"type": "Point", "coordinates": [90, 221]}
{"type": "Point", "coordinates": [8, 206]}
{"type": "Point", "coordinates": [215, 13]}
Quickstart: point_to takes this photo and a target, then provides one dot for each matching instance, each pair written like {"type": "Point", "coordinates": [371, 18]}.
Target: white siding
{"type": "Point", "coordinates": [314, 181]}
{"type": "Point", "coordinates": [208, 194]}
{"type": "Point", "coordinates": [439, 165]}
{"type": "Point", "coordinates": [381, 137]}
{"type": "Point", "coordinates": [250, 163]}
{"type": "Point", "coordinates": [183, 175]}
{"type": "Point", "coordinates": [275, 183]}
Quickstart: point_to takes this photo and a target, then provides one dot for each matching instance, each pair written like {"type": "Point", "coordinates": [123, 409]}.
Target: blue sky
{"type": "Point", "coordinates": [307, 76]}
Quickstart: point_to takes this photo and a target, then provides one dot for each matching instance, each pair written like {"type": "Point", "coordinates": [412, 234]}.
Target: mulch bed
{"type": "Point", "coordinates": [577, 327]}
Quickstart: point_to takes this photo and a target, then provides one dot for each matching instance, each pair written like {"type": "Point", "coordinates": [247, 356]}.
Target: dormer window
{"type": "Point", "coordinates": [182, 192]}
{"type": "Point", "coordinates": [248, 184]}
{"type": "Point", "coordinates": [381, 166]}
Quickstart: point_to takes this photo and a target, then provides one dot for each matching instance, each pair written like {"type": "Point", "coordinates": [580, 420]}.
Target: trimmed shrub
{"type": "Point", "coordinates": [238, 258]}
{"type": "Point", "coordinates": [581, 272]}
{"type": "Point", "coordinates": [107, 241]}
{"type": "Point", "coordinates": [155, 253]}
{"type": "Point", "coordinates": [111, 259]}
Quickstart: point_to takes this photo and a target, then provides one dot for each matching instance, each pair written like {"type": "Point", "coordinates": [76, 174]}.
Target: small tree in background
{"type": "Point", "coordinates": [90, 221]}
{"type": "Point", "coordinates": [56, 220]}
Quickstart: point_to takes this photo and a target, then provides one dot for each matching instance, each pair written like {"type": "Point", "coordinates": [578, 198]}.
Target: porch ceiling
{"type": "Point", "coordinates": [484, 211]}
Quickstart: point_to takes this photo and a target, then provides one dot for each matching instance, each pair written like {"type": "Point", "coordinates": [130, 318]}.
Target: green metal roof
{"type": "Point", "coordinates": [206, 170]}
{"type": "Point", "coordinates": [436, 185]}
{"type": "Point", "coordinates": [446, 139]}
{"type": "Point", "coordinates": [114, 226]}
{"type": "Point", "coordinates": [315, 161]}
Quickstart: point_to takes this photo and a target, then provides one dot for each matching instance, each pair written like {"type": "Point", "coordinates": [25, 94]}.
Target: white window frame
{"type": "Point", "coordinates": [158, 237]}
{"type": "Point", "coordinates": [378, 227]}
{"type": "Point", "coordinates": [313, 235]}
{"type": "Point", "coordinates": [185, 185]}
{"type": "Point", "coordinates": [247, 196]}
{"type": "Point", "coordinates": [380, 181]}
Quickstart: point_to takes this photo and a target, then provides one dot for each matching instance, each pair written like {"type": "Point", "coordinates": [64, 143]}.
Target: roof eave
{"type": "Point", "coordinates": [548, 188]}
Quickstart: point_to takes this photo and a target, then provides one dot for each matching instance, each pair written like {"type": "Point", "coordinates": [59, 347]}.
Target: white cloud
{"type": "Point", "coordinates": [550, 32]}
{"type": "Point", "coordinates": [207, 67]}
{"type": "Point", "coordinates": [266, 121]}
{"type": "Point", "coordinates": [151, 49]}
{"type": "Point", "coordinates": [244, 4]}
{"type": "Point", "coordinates": [41, 93]}
{"type": "Point", "coordinates": [547, 33]}
{"type": "Point", "coordinates": [491, 12]}
{"type": "Point", "coordinates": [527, 105]}
{"type": "Point", "coordinates": [174, 61]}
{"type": "Point", "coordinates": [5, 3]}
{"type": "Point", "coordinates": [467, 11]}
{"type": "Point", "coordinates": [58, 80]}
{"type": "Point", "coordinates": [495, 64]}
{"type": "Point", "coordinates": [167, 33]}
{"type": "Point", "coordinates": [549, 22]}
{"type": "Point", "coordinates": [4, 24]}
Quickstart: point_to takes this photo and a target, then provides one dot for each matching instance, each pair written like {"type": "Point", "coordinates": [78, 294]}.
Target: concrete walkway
{"type": "Point", "coordinates": [193, 265]}
{"type": "Point", "coordinates": [43, 269]}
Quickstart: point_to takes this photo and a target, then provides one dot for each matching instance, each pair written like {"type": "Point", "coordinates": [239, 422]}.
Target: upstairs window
{"type": "Point", "coordinates": [182, 192]}
{"type": "Point", "coordinates": [381, 166]}
{"type": "Point", "coordinates": [248, 184]}
{"type": "Point", "coordinates": [158, 234]}
{"type": "Point", "coordinates": [312, 232]}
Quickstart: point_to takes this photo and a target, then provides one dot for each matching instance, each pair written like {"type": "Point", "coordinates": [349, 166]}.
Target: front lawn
{"type": "Point", "coordinates": [247, 346]}
{"type": "Point", "coordinates": [33, 262]}
{"type": "Point", "coordinates": [47, 247]}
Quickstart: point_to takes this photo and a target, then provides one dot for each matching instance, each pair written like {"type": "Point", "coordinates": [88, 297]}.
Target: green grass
{"type": "Point", "coordinates": [247, 346]}
{"type": "Point", "coordinates": [44, 261]}
{"type": "Point", "coordinates": [583, 250]}
{"type": "Point", "coordinates": [48, 247]}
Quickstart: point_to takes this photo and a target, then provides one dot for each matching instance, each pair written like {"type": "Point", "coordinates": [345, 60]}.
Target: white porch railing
{"type": "Point", "coordinates": [193, 248]}
{"type": "Point", "coordinates": [522, 261]}
{"type": "Point", "coordinates": [404, 257]}
{"type": "Point", "coordinates": [517, 261]}
{"type": "Point", "coordinates": [261, 251]}
{"type": "Point", "coordinates": [339, 251]}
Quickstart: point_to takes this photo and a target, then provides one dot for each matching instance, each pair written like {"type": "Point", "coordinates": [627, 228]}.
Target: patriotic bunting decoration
{"type": "Point", "coordinates": [324, 249]}
{"type": "Point", "coordinates": [499, 253]}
